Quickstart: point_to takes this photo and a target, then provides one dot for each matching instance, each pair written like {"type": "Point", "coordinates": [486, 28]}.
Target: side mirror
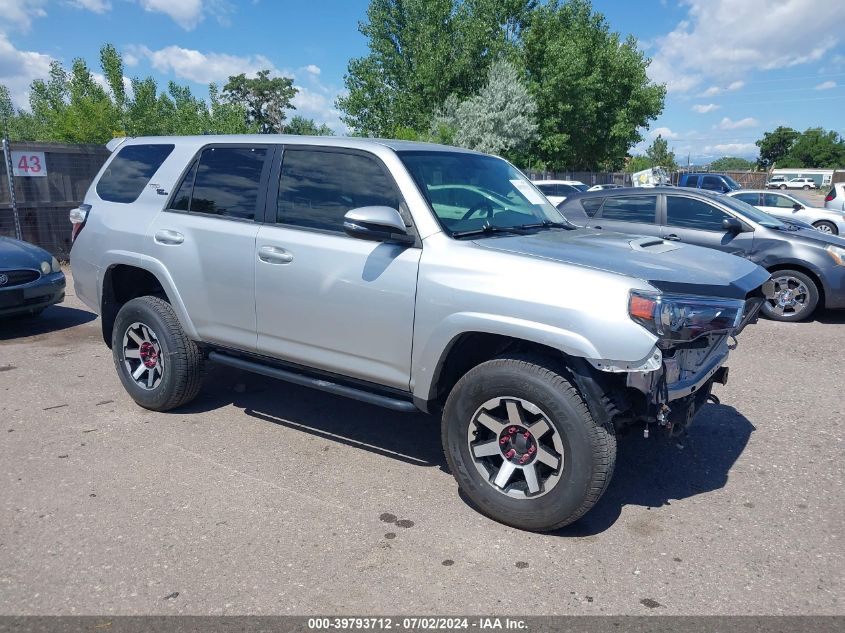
{"type": "Point", "coordinates": [732, 225]}
{"type": "Point", "coordinates": [797, 207]}
{"type": "Point", "coordinates": [377, 224]}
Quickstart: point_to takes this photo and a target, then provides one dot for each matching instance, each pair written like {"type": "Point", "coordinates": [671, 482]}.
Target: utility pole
{"type": "Point", "coordinates": [7, 154]}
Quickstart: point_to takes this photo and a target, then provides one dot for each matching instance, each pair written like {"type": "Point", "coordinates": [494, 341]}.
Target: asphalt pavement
{"type": "Point", "coordinates": [266, 498]}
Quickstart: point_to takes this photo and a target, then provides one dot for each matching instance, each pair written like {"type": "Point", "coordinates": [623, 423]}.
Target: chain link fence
{"type": "Point", "coordinates": [44, 201]}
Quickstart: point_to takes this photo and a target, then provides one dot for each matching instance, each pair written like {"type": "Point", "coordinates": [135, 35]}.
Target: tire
{"type": "Point", "coordinates": [826, 227]}
{"type": "Point", "coordinates": [782, 187]}
{"type": "Point", "coordinates": [147, 334]}
{"type": "Point", "coordinates": [572, 461]}
{"type": "Point", "coordinates": [805, 187]}
{"type": "Point", "coordinates": [799, 304]}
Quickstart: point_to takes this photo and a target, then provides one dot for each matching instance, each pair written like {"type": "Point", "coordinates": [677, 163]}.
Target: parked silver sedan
{"type": "Point", "coordinates": [787, 206]}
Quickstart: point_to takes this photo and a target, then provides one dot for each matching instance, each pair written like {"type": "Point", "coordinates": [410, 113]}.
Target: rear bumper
{"type": "Point", "coordinates": [48, 290]}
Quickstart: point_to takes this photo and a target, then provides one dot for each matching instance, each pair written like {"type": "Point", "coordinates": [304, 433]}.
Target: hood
{"type": "Point", "coordinates": [812, 237]}
{"type": "Point", "coordinates": [17, 254]}
{"type": "Point", "coordinates": [668, 266]}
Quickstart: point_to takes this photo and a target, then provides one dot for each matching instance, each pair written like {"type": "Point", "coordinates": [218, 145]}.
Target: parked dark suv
{"type": "Point", "coordinates": [711, 182]}
{"type": "Point", "coordinates": [808, 266]}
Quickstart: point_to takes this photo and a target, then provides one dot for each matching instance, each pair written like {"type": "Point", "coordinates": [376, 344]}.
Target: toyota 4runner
{"type": "Point", "coordinates": [415, 277]}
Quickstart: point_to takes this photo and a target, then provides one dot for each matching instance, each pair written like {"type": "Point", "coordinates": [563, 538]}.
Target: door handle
{"type": "Point", "coordinates": [274, 255]}
{"type": "Point", "coordinates": [672, 237]}
{"type": "Point", "coordinates": [168, 236]}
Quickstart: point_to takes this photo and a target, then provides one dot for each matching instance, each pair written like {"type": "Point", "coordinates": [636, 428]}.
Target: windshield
{"type": "Point", "coordinates": [471, 192]}
{"type": "Point", "coordinates": [752, 213]}
{"type": "Point", "coordinates": [733, 184]}
{"type": "Point", "coordinates": [581, 187]}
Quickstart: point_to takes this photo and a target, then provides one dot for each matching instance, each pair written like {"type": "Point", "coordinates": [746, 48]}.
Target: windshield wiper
{"type": "Point", "coordinates": [546, 224]}
{"type": "Point", "coordinates": [489, 229]}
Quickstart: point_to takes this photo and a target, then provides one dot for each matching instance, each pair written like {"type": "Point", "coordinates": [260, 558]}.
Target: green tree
{"type": "Point", "coordinates": [731, 163]}
{"type": "Point", "coordinates": [420, 53]}
{"type": "Point", "coordinates": [816, 147]}
{"type": "Point", "coordinates": [499, 119]}
{"type": "Point", "coordinates": [638, 163]}
{"type": "Point", "coordinates": [775, 145]}
{"type": "Point", "coordinates": [307, 127]}
{"type": "Point", "coordinates": [591, 86]}
{"type": "Point", "coordinates": [659, 155]}
{"type": "Point", "coordinates": [263, 98]}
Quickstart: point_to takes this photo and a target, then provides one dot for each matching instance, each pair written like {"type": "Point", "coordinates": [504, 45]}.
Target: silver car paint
{"type": "Point", "coordinates": [382, 313]}
{"type": "Point", "coordinates": [808, 213]}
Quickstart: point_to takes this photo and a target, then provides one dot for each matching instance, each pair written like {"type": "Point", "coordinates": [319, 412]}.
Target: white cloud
{"type": "Point", "coordinates": [729, 124]}
{"type": "Point", "coordinates": [665, 132]}
{"type": "Point", "coordinates": [732, 149]}
{"type": "Point", "coordinates": [96, 6]}
{"type": "Point", "coordinates": [704, 108]}
{"type": "Point", "coordinates": [723, 40]}
{"type": "Point", "coordinates": [826, 85]}
{"type": "Point", "coordinates": [101, 80]}
{"type": "Point", "coordinates": [203, 68]}
{"type": "Point", "coordinates": [19, 13]}
{"type": "Point", "coordinates": [19, 68]}
{"type": "Point", "coordinates": [312, 69]}
{"type": "Point", "coordinates": [717, 90]}
{"type": "Point", "coordinates": [186, 13]}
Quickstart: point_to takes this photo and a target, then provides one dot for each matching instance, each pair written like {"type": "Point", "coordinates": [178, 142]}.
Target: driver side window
{"type": "Point", "coordinates": [691, 213]}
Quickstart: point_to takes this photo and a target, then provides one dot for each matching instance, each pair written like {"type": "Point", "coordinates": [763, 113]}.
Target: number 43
{"type": "Point", "coordinates": [29, 164]}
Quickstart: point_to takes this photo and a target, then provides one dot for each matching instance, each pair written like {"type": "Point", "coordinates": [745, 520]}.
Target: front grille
{"type": "Point", "coordinates": [17, 277]}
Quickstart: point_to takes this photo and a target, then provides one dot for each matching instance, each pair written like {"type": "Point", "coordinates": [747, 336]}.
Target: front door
{"type": "Point", "coordinates": [324, 299]}
{"type": "Point", "coordinates": [696, 221]}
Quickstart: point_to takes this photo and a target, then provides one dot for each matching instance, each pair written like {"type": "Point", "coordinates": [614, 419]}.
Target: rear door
{"type": "Point", "coordinates": [636, 215]}
{"type": "Point", "coordinates": [696, 221]}
{"type": "Point", "coordinates": [324, 299]}
{"type": "Point", "coordinates": [206, 239]}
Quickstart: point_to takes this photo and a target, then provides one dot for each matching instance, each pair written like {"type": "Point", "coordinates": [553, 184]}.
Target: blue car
{"type": "Point", "coordinates": [30, 279]}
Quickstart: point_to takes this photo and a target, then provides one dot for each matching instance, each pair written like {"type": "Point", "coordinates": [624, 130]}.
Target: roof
{"type": "Point", "coordinates": [642, 191]}
{"type": "Point", "coordinates": [557, 182]}
{"type": "Point", "coordinates": [351, 142]}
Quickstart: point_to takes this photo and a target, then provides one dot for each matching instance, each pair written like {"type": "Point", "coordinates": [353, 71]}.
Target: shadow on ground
{"type": "Point", "coordinates": [53, 319]}
{"type": "Point", "coordinates": [649, 472]}
{"type": "Point", "coordinates": [830, 316]}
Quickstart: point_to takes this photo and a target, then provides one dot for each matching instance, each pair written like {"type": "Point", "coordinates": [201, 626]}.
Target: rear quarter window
{"type": "Point", "coordinates": [130, 171]}
{"type": "Point", "coordinates": [591, 205]}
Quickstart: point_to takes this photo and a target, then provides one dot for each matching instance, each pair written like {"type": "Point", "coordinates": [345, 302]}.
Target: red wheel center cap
{"type": "Point", "coordinates": [518, 445]}
{"type": "Point", "coordinates": [149, 354]}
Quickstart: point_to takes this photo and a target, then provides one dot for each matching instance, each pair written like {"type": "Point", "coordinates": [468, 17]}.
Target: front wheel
{"type": "Point", "coordinates": [159, 366]}
{"type": "Point", "coordinates": [523, 446]}
{"type": "Point", "coordinates": [796, 297]}
{"type": "Point", "coordinates": [805, 187]}
{"type": "Point", "coordinates": [782, 187]}
{"type": "Point", "coordinates": [826, 227]}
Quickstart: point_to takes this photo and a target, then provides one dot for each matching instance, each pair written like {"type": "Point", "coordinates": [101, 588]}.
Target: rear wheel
{"type": "Point", "coordinates": [159, 366]}
{"type": "Point", "coordinates": [796, 296]}
{"type": "Point", "coordinates": [805, 187]}
{"type": "Point", "coordinates": [782, 187]}
{"type": "Point", "coordinates": [523, 446]}
{"type": "Point", "coordinates": [826, 227]}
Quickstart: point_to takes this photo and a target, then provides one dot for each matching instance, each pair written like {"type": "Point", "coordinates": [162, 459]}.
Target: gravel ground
{"type": "Point", "coordinates": [265, 498]}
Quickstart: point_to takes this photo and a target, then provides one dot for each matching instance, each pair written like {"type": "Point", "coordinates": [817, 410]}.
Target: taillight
{"type": "Point", "coordinates": [829, 196]}
{"type": "Point", "coordinates": [78, 217]}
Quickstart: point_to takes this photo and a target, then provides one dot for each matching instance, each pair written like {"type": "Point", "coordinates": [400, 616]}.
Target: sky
{"type": "Point", "coordinates": [733, 68]}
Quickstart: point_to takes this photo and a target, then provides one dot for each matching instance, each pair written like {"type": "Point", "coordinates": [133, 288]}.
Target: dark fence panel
{"type": "Point", "coordinates": [44, 202]}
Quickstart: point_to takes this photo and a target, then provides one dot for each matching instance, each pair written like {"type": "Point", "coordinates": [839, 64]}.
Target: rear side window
{"type": "Point", "coordinates": [130, 171]}
{"type": "Point", "coordinates": [591, 205]}
{"type": "Point", "coordinates": [751, 198]}
{"type": "Point", "coordinates": [712, 183]}
{"type": "Point", "coordinates": [630, 209]}
{"type": "Point", "coordinates": [693, 214]}
{"type": "Point", "coordinates": [225, 182]}
{"type": "Point", "coordinates": [548, 190]}
{"type": "Point", "coordinates": [317, 188]}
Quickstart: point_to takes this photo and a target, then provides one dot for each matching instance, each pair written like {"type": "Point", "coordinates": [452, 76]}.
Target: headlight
{"type": "Point", "coordinates": [680, 318]}
{"type": "Point", "coordinates": [837, 253]}
{"type": "Point", "coordinates": [55, 266]}
{"type": "Point", "coordinates": [45, 268]}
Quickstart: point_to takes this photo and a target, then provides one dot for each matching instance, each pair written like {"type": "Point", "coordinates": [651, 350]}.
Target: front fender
{"type": "Point", "coordinates": [155, 267]}
{"type": "Point", "coordinates": [428, 361]}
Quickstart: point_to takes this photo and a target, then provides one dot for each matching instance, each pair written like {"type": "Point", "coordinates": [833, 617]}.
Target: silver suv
{"type": "Point", "coordinates": [415, 277]}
